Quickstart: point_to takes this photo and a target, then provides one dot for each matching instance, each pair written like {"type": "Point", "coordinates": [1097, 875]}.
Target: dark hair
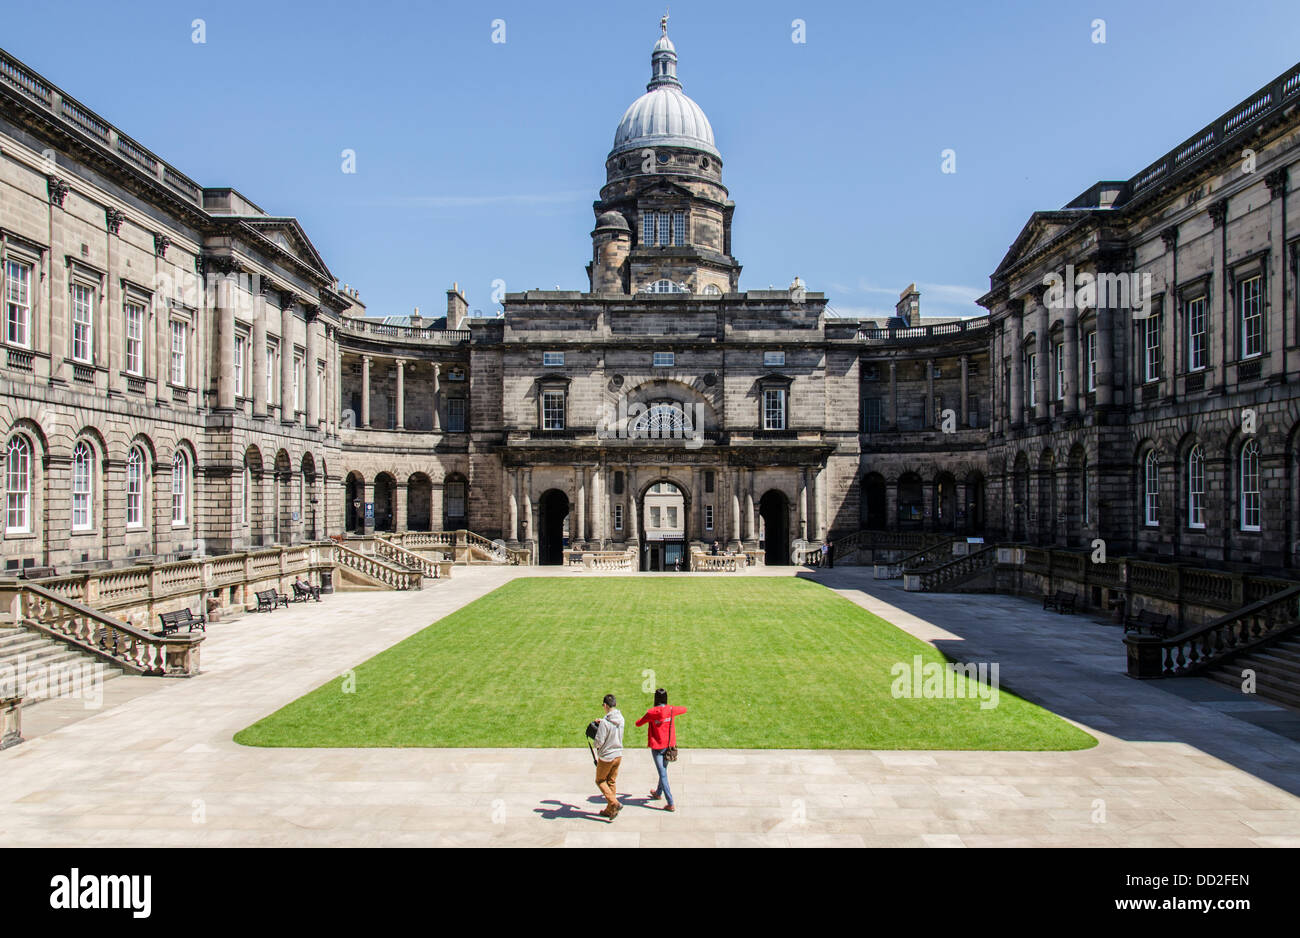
{"type": "Point", "coordinates": [611, 701]}
{"type": "Point", "coordinates": [661, 697]}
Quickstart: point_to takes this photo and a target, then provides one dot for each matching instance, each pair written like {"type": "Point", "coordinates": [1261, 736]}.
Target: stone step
{"type": "Point", "coordinates": [1275, 687]}
{"type": "Point", "coordinates": [30, 655]}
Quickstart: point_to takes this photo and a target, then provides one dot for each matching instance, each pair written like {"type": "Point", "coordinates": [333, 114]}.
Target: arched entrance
{"type": "Point", "coordinates": [553, 527]}
{"type": "Point", "coordinates": [945, 502]}
{"type": "Point", "coordinates": [911, 502]}
{"type": "Point", "coordinates": [665, 513]}
{"type": "Point", "coordinates": [354, 503]}
{"type": "Point", "coordinates": [385, 488]}
{"type": "Point", "coordinates": [419, 502]}
{"type": "Point", "coordinates": [872, 509]}
{"type": "Point", "coordinates": [774, 509]}
{"type": "Point", "coordinates": [975, 503]}
{"type": "Point", "coordinates": [307, 497]}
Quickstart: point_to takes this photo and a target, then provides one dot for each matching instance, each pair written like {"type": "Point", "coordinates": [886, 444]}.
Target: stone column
{"type": "Point", "coordinates": [312, 395]}
{"type": "Point", "coordinates": [1045, 367]}
{"type": "Point", "coordinates": [579, 536]}
{"type": "Point", "coordinates": [437, 419]}
{"type": "Point", "coordinates": [258, 350]}
{"type": "Point", "coordinates": [630, 490]}
{"type": "Point", "coordinates": [1016, 334]}
{"type": "Point", "coordinates": [365, 391]}
{"type": "Point", "coordinates": [930, 414]}
{"type": "Point", "coordinates": [1071, 339]}
{"type": "Point", "coordinates": [735, 532]}
{"type": "Point", "coordinates": [528, 504]}
{"type": "Point", "coordinates": [401, 393]}
{"type": "Point", "coordinates": [965, 387]}
{"type": "Point", "coordinates": [288, 405]}
{"type": "Point", "coordinates": [803, 502]}
{"type": "Point", "coordinates": [512, 505]}
{"type": "Point", "coordinates": [893, 395]}
{"type": "Point", "coordinates": [1105, 357]}
{"type": "Point", "coordinates": [1218, 323]}
{"type": "Point", "coordinates": [1276, 322]}
{"type": "Point", "coordinates": [598, 506]}
{"type": "Point", "coordinates": [814, 504]}
{"type": "Point", "coordinates": [226, 344]}
{"type": "Point", "coordinates": [750, 533]}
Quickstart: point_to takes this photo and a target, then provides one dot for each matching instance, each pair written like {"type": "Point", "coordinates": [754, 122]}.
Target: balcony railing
{"type": "Point", "coordinates": [920, 334]}
{"type": "Point", "coordinates": [423, 335]}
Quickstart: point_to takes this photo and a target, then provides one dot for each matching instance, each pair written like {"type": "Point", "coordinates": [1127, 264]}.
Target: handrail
{"type": "Point", "coordinates": [922, 333]}
{"type": "Point", "coordinates": [1205, 645]}
{"type": "Point", "coordinates": [387, 330]}
{"type": "Point", "coordinates": [392, 551]}
{"type": "Point", "coordinates": [911, 560]}
{"type": "Point", "coordinates": [119, 642]}
{"type": "Point", "coordinates": [958, 567]}
{"type": "Point", "coordinates": [377, 568]}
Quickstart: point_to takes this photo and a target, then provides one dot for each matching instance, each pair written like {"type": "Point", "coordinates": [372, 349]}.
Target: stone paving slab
{"type": "Point", "coordinates": [157, 765]}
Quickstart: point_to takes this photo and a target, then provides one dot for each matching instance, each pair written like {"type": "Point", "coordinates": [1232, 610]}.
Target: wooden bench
{"type": "Point", "coordinates": [172, 621]}
{"type": "Point", "coordinates": [268, 599]}
{"type": "Point", "coordinates": [1156, 623]}
{"type": "Point", "coordinates": [305, 591]}
{"type": "Point", "coordinates": [1061, 600]}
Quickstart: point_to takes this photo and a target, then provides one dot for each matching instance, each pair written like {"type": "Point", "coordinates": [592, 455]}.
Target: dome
{"type": "Point", "coordinates": [612, 220]}
{"type": "Point", "coordinates": [664, 116]}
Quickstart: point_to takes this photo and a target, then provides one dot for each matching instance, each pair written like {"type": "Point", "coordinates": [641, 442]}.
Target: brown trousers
{"type": "Point", "coordinates": [607, 779]}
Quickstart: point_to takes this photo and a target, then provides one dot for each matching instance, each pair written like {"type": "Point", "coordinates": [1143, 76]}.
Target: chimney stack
{"type": "Point", "coordinates": [909, 305]}
{"type": "Point", "coordinates": [457, 308]}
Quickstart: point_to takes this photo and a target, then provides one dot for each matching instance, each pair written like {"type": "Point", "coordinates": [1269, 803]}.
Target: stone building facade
{"type": "Point", "coordinates": [184, 373]}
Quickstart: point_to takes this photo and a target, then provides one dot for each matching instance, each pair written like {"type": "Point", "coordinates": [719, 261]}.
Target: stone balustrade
{"type": "Point", "coordinates": [377, 568]}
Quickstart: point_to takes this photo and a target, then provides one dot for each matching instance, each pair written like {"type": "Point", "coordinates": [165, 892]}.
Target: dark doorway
{"type": "Point", "coordinates": [945, 502]}
{"type": "Point", "coordinates": [911, 502]}
{"type": "Point", "coordinates": [419, 502]}
{"type": "Point", "coordinates": [353, 504]}
{"type": "Point", "coordinates": [774, 509]}
{"type": "Point", "coordinates": [975, 503]}
{"type": "Point", "coordinates": [385, 487]}
{"type": "Point", "coordinates": [553, 514]}
{"type": "Point", "coordinates": [873, 516]}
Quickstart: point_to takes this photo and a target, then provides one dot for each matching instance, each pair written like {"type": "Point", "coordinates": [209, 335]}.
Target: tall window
{"type": "Point", "coordinates": [83, 465]}
{"type": "Point", "coordinates": [1250, 317]}
{"type": "Point", "coordinates": [872, 415]}
{"type": "Point", "coordinates": [654, 517]}
{"type": "Point", "coordinates": [708, 517]}
{"type": "Point", "coordinates": [297, 383]}
{"type": "Point", "coordinates": [552, 410]}
{"type": "Point", "coordinates": [178, 354]}
{"type": "Point", "coordinates": [456, 414]}
{"type": "Point", "coordinates": [83, 323]}
{"type": "Point", "coordinates": [1031, 374]}
{"type": "Point", "coordinates": [240, 343]}
{"type": "Point", "coordinates": [1151, 356]}
{"type": "Point", "coordinates": [180, 481]}
{"type": "Point", "coordinates": [665, 235]}
{"type": "Point", "coordinates": [18, 486]}
{"type": "Point", "coordinates": [455, 492]}
{"type": "Point", "coordinates": [1151, 489]}
{"type": "Point", "coordinates": [18, 301]}
{"type": "Point", "coordinates": [648, 224]}
{"type": "Point", "coordinates": [1196, 487]}
{"type": "Point", "coordinates": [270, 375]}
{"type": "Point", "coordinates": [1250, 486]}
{"type": "Point", "coordinates": [774, 408]}
{"type": "Point", "coordinates": [1195, 315]}
{"type": "Point", "coordinates": [135, 488]}
{"type": "Point", "coordinates": [1091, 344]}
{"type": "Point", "coordinates": [1058, 355]}
{"type": "Point", "coordinates": [618, 517]}
{"type": "Point", "coordinates": [134, 338]}
{"type": "Point", "coordinates": [679, 229]}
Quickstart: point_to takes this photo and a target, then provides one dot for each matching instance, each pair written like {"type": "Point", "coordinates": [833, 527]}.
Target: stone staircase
{"type": "Point", "coordinates": [28, 655]}
{"type": "Point", "coordinates": [1276, 666]}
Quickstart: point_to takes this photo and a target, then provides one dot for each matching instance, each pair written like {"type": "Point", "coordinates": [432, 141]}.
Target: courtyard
{"type": "Point", "coordinates": [1182, 763]}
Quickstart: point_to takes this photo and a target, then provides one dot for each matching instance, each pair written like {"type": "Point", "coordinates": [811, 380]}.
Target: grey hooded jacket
{"type": "Point", "coordinates": [609, 736]}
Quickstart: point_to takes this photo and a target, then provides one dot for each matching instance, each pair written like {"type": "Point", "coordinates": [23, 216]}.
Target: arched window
{"type": "Point", "coordinates": [1249, 486]}
{"type": "Point", "coordinates": [18, 486]}
{"type": "Point", "coordinates": [712, 289]}
{"type": "Point", "coordinates": [180, 473]}
{"type": "Point", "coordinates": [1151, 490]}
{"type": "Point", "coordinates": [662, 419]}
{"type": "Point", "coordinates": [135, 488]}
{"type": "Point", "coordinates": [665, 286]}
{"type": "Point", "coordinates": [1196, 487]}
{"type": "Point", "coordinates": [83, 466]}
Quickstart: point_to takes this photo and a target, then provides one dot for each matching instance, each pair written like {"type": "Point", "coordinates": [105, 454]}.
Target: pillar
{"type": "Point", "coordinates": [803, 502]}
{"type": "Point", "coordinates": [1046, 370]}
{"type": "Point", "coordinates": [401, 393]}
{"type": "Point", "coordinates": [1105, 357]}
{"type": "Point", "coordinates": [287, 403]}
{"type": "Point", "coordinates": [258, 350]}
{"type": "Point", "coordinates": [930, 415]}
{"type": "Point", "coordinates": [1275, 323]}
{"type": "Point", "coordinates": [734, 533]}
{"type": "Point", "coordinates": [965, 387]}
{"type": "Point", "coordinates": [528, 504]}
{"type": "Point", "coordinates": [579, 535]}
{"type": "Point", "coordinates": [312, 395]}
{"type": "Point", "coordinates": [814, 504]}
{"type": "Point", "coordinates": [512, 505]}
{"type": "Point", "coordinates": [1016, 334]}
{"type": "Point", "coordinates": [365, 391]}
{"type": "Point", "coordinates": [893, 395]}
{"type": "Point", "coordinates": [1070, 336]}
{"type": "Point", "coordinates": [437, 420]}
{"type": "Point", "coordinates": [226, 344]}
{"type": "Point", "coordinates": [1218, 324]}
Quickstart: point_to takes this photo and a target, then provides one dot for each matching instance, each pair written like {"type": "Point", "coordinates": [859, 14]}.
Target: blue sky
{"type": "Point", "coordinates": [478, 161]}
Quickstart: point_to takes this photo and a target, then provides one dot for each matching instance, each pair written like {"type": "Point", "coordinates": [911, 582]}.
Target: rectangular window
{"type": "Point", "coordinates": [552, 359]}
{"type": "Point", "coordinates": [455, 497]}
{"type": "Point", "coordinates": [972, 410]}
{"type": "Point", "coordinates": [708, 517]}
{"type": "Point", "coordinates": [774, 408]}
{"type": "Point", "coordinates": [270, 376]}
{"type": "Point", "coordinates": [1091, 343]}
{"type": "Point", "coordinates": [1031, 374]}
{"type": "Point", "coordinates": [654, 517]}
{"type": "Point", "coordinates": [178, 354]}
{"type": "Point", "coordinates": [708, 480]}
{"type": "Point", "coordinates": [679, 229]}
{"type": "Point", "coordinates": [552, 410]}
{"type": "Point", "coordinates": [240, 343]}
{"type": "Point", "coordinates": [618, 483]}
{"type": "Point", "coordinates": [648, 229]}
{"type": "Point", "coordinates": [665, 359]}
{"type": "Point", "coordinates": [83, 323]}
{"type": "Point", "coordinates": [672, 517]}
{"type": "Point", "coordinates": [1250, 317]}
{"type": "Point", "coordinates": [456, 414]}
{"type": "Point", "coordinates": [872, 415]}
{"type": "Point", "coordinates": [665, 236]}
{"type": "Point", "coordinates": [1058, 355]}
{"type": "Point", "coordinates": [1194, 313]}
{"type": "Point", "coordinates": [297, 383]}
{"type": "Point", "coordinates": [134, 338]}
{"type": "Point", "coordinates": [618, 517]}
{"type": "Point", "coordinates": [1151, 345]}
{"type": "Point", "coordinates": [18, 302]}
{"type": "Point", "coordinates": [774, 359]}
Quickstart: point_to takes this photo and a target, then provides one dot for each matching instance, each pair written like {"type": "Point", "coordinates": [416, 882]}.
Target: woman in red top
{"type": "Point", "coordinates": [660, 734]}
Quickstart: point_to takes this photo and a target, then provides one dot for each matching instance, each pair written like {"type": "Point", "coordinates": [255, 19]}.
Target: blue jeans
{"type": "Point", "coordinates": [662, 767]}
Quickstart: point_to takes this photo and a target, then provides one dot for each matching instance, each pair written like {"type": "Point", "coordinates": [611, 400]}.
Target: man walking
{"type": "Point", "coordinates": [609, 753]}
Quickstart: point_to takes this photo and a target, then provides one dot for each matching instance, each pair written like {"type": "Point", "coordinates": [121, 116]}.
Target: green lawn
{"type": "Point", "coordinates": [762, 663]}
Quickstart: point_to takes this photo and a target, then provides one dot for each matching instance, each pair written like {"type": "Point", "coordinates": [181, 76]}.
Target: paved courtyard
{"type": "Point", "coordinates": [1183, 763]}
